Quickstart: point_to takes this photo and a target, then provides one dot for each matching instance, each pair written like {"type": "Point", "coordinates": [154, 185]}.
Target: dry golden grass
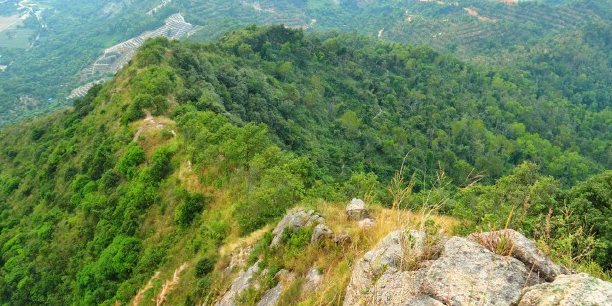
{"type": "Point", "coordinates": [140, 295]}
{"type": "Point", "coordinates": [169, 285]}
{"type": "Point", "coordinates": [150, 132]}
{"type": "Point", "coordinates": [244, 242]}
{"type": "Point", "coordinates": [336, 262]}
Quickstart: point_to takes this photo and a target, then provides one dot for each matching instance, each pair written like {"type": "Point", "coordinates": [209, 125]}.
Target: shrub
{"type": "Point", "coordinates": [161, 166]}
{"type": "Point", "coordinates": [193, 204]}
{"type": "Point", "coordinates": [204, 266]}
{"type": "Point", "coordinates": [133, 157]}
{"type": "Point", "coordinates": [8, 184]}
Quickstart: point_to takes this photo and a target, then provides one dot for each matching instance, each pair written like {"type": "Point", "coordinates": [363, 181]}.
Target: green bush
{"type": "Point", "coordinates": [192, 205]}
{"type": "Point", "coordinates": [133, 157]}
{"type": "Point", "coordinates": [204, 266]}
{"type": "Point", "coordinates": [297, 240]}
{"type": "Point", "coordinates": [8, 184]}
{"type": "Point", "coordinates": [161, 166]}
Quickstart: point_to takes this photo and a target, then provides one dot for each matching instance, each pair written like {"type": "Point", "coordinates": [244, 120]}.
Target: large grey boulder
{"type": "Point", "coordinates": [469, 274]}
{"type": "Point", "coordinates": [294, 220]}
{"type": "Point", "coordinates": [244, 281]}
{"type": "Point", "coordinates": [385, 258]}
{"type": "Point", "coordinates": [271, 297]}
{"type": "Point", "coordinates": [321, 232]}
{"type": "Point", "coordinates": [356, 210]}
{"type": "Point", "coordinates": [524, 250]}
{"type": "Point", "coordinates": [569, 290]}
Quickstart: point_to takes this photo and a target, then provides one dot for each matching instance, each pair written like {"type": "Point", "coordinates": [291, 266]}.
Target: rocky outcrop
{"type": "Point", "coordinates": [469, 274]}
{"type": "Point", "coordinates": [294, 220]}
{"type": "Point", "coordinates": [462, 271]}
{"type": "Point", "coordinates": [356, 210]}
{"type": "Point", "coordinates": [270, 297]}
{"type": "Point", "coordinates": [238, 258]}
{"type": "Point", "coordinates": [524, 250]}
{"type": "Point", "coordinates": [313, 281]}
{"type": "Point", "coordinates": [384, 259]}
{"type": "Point", "coordinates": [244, 281]}
{"type": "Point", "coordinates": [321, 232]}
{"type": "Point", "coordinates": [569, 290]}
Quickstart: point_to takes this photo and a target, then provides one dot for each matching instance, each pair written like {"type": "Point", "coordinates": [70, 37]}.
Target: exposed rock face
{"type": "Point", "coordinates": [295, 219]}
{"type": "Point", "coordinates": [569, 290]}
{"type": "Point", "coordinates": [270, 297]}
{"type": "Point", "coordinates": [238, 259]}
{"type": "Point", "coordinates": [313, 280]}
{"type": "Point", "coordinates": [524, 250]}
{"type": "Point", "coordinates": [399, 289]}
{"type": "Point", "coordinates": [320, 232]}
{"type": "Point", "coordinates": [244, 281]}
{"type": "Point", "coordinates": [385, 258]}
{"type": "Point", "coordinates": [356, 210]}
{"type": "Point", "coordinates": [467, 273]}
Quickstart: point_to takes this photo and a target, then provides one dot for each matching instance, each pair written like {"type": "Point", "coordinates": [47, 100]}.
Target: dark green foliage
{"type": "Point", "coordinates": [110, 179]}
{"type": "Point", "coordinates": [192, 205]}
{"type": "Point", "coordinates": [101, 160]}
{"type": "Point", "coordinates": [99, 280]}
{"type": "Point", "coordinates": [590, 203]}
{"type": "Point", "coordinates": [153, 81]}
{"type": "Point", "coordinates": [204, 266]}
{"type": "Point", "coordinates": [132, 113]}
{"type": "Point", "coordinates": [85, 105]}
{"type": "Point", "coordinates": [37, 133]}
{"type": "Point", "coordinates": [8, 184]}
{"type": "Point", "coordinates": [297, 240]}
{"type": "Point", "coordinates": [133, 157]}
{"type": "Point", "coordinates": [518, 200]}
{"type": "Point", "coordinates": [161, 165]}
{"type": "Point", "coordinates": [279, 188]}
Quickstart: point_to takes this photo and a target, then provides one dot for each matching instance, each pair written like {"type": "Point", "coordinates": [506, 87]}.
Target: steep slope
{"type": "Point", "coordinates": [193, 146]}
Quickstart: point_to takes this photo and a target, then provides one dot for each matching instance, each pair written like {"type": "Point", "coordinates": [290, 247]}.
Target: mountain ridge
{"type": "Point", "coordinates": [194, 146]}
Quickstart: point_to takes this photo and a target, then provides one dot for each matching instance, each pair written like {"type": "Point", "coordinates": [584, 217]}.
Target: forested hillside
{"type": "Point", "coordinates": [67, 37]}
{"type": "Point", "coordinates": [193, 146]}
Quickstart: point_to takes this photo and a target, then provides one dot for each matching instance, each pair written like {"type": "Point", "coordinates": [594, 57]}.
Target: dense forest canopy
{"type": "Point", "coordinates": [68, 36]}
{"type": "Point", "coordinates": [193, 144]}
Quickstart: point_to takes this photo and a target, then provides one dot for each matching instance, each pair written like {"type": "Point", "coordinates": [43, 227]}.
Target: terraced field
{"type": "Point", "coordinates": [119, 55]}
{"type": "Point", "coordinates": [468, 26]}
{"type": "Point", "coordinates": [463, 26]}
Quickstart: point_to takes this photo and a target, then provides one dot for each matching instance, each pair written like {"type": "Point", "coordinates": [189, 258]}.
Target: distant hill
{"type": "Point", "coordinates": [76, 34]}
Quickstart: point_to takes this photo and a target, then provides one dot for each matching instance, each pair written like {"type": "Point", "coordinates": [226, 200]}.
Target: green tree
{"type": "Point", "coordinates": [351, 123]}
